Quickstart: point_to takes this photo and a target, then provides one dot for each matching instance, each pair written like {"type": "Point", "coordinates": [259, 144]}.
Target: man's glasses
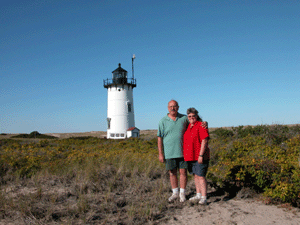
{"type": "Point", "coordinates": [192, 116]}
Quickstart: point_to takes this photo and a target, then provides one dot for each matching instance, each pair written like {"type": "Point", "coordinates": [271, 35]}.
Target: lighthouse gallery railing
{"type": "Point", "coordinates": [116, 81]}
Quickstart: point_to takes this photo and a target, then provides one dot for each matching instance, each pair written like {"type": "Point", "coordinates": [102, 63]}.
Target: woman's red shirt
{"type": "Point", "coordinates": [192, 139]}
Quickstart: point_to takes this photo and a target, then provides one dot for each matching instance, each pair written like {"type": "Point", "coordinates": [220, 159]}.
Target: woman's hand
{"type": "Point", "coordinates": [200, 159]}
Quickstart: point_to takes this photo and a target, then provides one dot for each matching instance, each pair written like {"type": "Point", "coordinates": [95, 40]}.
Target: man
{"type": "Point", "coordinates": [170, 140]}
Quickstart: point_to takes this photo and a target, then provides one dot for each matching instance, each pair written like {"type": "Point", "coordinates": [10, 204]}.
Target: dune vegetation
{"type": "Point", "coordinates": [263, 158]}
{"type": "Point", "coordinates": [88, 180]}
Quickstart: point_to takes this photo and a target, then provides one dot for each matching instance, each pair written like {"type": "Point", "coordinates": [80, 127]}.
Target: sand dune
{"type": "Point", "coordinates": [236, 212]}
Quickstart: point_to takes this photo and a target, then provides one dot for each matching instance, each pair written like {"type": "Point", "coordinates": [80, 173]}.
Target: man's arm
{"type": "Point", "coordinates": [161, 156]}
{"type": "Point", "coordinates": [204, 124]}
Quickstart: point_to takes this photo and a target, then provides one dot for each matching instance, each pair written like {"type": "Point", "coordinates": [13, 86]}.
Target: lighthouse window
{"type": "Point", "coordinates": [112, 135]}
{"type": "Point", "coordinates": [129, 107]}
{"type": "Point", "coordinates": [108, 123]}
{"type": "Point", "coordinates": [122, 135]}
{"type": "Point", "coordinates": [117, 135]}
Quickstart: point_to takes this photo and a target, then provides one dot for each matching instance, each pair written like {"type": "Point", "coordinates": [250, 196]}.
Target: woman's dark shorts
{"type": "Point", "coordinates": [199, 169]}
{"type": "Point", "coordinates": [175, 163]}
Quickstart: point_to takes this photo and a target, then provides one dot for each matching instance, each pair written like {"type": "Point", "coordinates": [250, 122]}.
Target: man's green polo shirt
{"type": "Point", "coordinates": [172, 133]}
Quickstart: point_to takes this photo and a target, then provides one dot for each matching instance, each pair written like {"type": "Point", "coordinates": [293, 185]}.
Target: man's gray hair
{"type": "Point", "coordinates": [194, 111]}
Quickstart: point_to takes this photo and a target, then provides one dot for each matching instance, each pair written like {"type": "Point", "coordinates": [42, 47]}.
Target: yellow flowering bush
{"type": "Point", "coordinates": [264, 158]}
{"type": "Point", "coordinates": [26, 159]}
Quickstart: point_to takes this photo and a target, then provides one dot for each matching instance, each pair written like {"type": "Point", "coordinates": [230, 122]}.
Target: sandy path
{"type": "Point", "coordinates": [236, 211]}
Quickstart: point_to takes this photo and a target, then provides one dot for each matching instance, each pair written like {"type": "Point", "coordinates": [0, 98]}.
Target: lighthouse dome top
{"type": "Point", "coordinates": [119, 70]}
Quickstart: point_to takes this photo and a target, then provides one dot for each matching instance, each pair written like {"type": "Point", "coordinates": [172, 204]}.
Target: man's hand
{"type": "Point", "coordinates": [161, 158]}
{"type": "Point", "coordinates": [204, 124]}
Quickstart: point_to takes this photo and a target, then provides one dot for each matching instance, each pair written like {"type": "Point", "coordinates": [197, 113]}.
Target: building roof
{"type": "Point", "coordinates": [132, 128]}
{"type": "Point", "coordinates": [119, 69]}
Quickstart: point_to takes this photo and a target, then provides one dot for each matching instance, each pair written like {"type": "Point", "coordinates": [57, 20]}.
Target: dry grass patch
{"type": "Point", "coordinates": [89, 181]}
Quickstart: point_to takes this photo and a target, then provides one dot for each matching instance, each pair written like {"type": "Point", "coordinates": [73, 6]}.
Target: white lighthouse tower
{"type": "Point", "coordinates": [120, 113]}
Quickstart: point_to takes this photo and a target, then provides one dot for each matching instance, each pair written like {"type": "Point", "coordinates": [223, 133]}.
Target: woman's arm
{"type": "Point", "coordinates": [202, 150]}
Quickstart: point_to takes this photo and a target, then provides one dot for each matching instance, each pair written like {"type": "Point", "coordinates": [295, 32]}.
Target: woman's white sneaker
{"type": "Point", "coordinates": [195, 198]}
{"type": "Point", "coordinates": [203, 201]}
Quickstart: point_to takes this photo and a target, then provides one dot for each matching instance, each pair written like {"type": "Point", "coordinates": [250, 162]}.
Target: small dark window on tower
{"type": "Point", "coordinates": [129, 107]}
{"type": "Point", "coordinates": [108, 123]}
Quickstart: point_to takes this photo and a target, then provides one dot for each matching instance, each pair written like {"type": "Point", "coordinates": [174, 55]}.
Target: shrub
{"type": "Point", "coordinates": [101, 179]}
{"type": "Point", "coordinates": [34, 134]}
{"type": "Point", "coordinates": [222, 133]}
{"type": "Point", "coordinates": [106, 179]}
{"type": "Point", "coordinates": [265, 158]}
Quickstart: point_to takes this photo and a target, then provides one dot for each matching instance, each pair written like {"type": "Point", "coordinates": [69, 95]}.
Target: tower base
{"type": "Point", "coordinates": [131, 132]}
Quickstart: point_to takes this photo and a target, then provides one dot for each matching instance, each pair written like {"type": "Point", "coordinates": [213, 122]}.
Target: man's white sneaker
{"type": "Point", "coordinates": [173, 197]}
{"type": "Point", "coordinates": [182, 197]}
{"type": "Point", "coordinates": [203, 201]}
{"type": "Point", "coordinates": [195, 198]}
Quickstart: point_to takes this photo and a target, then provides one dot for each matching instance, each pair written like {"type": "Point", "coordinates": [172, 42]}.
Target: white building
{"type": "Point", "coordinates": [120, 112]}
{"type": "Point", "coordinates": [133, 132]}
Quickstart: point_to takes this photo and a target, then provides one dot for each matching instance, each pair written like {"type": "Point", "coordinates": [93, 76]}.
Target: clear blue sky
{"type": "Point", "coordinates": [237, 62]}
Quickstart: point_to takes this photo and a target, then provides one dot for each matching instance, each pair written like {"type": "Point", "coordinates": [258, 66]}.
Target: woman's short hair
{"type": "Point", "coordinates": [194, 111]}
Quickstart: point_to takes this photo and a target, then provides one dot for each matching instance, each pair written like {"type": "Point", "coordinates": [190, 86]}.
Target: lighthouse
{"type": "Point", "coordinates": [120, 112]}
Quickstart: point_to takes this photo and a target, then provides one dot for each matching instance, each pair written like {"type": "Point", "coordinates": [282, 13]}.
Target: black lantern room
{"type": "Point", "coordinates": [119, 77]}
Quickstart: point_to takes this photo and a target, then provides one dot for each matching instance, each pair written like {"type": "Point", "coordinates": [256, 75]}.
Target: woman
{"type": "Point", "coordinates": [196, 152]}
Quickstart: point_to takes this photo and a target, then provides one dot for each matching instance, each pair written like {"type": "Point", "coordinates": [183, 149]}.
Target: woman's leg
{"type": "Point", "coordinates": [197, 183]}
{"type": "Point", "coordinates": [202, 186]}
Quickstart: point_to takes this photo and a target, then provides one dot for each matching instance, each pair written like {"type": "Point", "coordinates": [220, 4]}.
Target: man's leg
{"type": "Point", "coordinates": [173, 178]}
{"type": "Point", "coordinates": [182, 165]}
{"type": "Point", "coordinates": [171, 166]}
{"type": "Point", "coordinates": [183, 182]}
{"type": "Point", "coordinates": [174, 184]}
{"type": "Point", "coordinates": [183, 178]}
